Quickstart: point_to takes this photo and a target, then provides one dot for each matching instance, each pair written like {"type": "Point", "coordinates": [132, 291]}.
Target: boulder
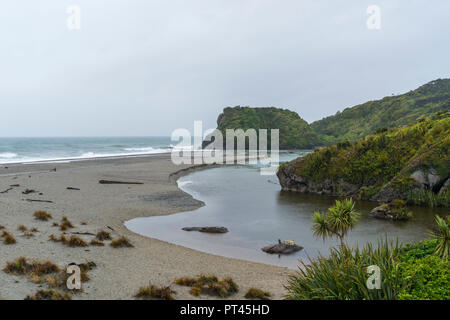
{"type": "Point", "coordinates": [396, 210]}
{"type": "Point", "coordinates": [282, 248]}
{"type": "Point", "coordinates": [207, 229]}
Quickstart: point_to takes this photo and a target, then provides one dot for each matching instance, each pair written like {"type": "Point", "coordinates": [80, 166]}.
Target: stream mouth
{"type": "Point", "coordinates": [257, 213]}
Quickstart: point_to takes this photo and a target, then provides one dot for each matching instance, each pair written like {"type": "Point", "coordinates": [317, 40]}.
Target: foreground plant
{"type": "Point", "coordinates": [23, 266]}
{"type": "Point", "coordinates": [343, 275]}
{"type": "Point", "coordinates": [254, 293]}
{"type": "Point", "coordinates": [153, 292]}
{"type": "Point", "coordinates": [49, 295]}
{"type": "Point", "coordinates": [121, 243]}
{"type": "Point", "coordinates": [42, 215]}
{"type": "Point", "coordinates": [209, 284]}
{"type": "Point", "coordinates": [442, 234]}
{"type": "Point", "coordinates": [337, 221]}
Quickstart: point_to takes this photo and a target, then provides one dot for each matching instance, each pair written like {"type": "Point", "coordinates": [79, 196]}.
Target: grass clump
{"type": "Point", "coordinates": [42, 215]}
{"type": "Point", "coordinates": [121, 242]}
{"type": "Point", "coordinates": [97, 243]}
{"type": "Point", "coordinates": [408, 272]}
{"type": "Point", "coordinates": [103, 235]}
{"type": "Point", "coordinates": [34, 229]}
{"type": "Point", "coordinates": [8, 238]}
{"type": "Point", "coordinates": [254, 293]}
{"type": "Point", "coordinates": [209, 284]}
{"type": "Point", "coordinates": [65, 224]}
{"type": "Point", "coordinates": [153, 292]}
{"type": "Point", "coordinates": [49, 295]}
{"type": "Point", "coordinates": [23, 266]}
{"type": "Point", "coordinates": [22, 228]}
{"type": "Point", "coordinates": [72, 241]}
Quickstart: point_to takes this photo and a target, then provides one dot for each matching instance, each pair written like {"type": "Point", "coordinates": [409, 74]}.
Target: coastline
{"type": "Point", "coordinates": [119, 272]}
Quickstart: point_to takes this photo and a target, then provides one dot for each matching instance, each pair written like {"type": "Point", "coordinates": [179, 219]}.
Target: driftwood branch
{"type": "Point", "coordinates": [33, 200]}
{"type": "Point", "coordinates": [6, 191]}
{"type": "Point", "coordinates": [117, 182]}
{"type": "Point", "coordinates": [84, 233]}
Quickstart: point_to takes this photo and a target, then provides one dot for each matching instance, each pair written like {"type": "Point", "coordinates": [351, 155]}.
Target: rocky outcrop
{"type": "Point", "coordinates": [282, 248]}
{"type": "Point", "coordinates": [290, 180]}
{"type": "Point", "coordinates": [391, 211]}
{"type": "Point", "coordinates": [207, 229]}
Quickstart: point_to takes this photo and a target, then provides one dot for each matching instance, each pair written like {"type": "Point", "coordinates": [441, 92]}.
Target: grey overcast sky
{"type": "Point", "coordinates": [147, 67]}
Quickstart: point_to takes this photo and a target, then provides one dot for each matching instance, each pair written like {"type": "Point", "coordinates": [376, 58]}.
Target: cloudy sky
{"type": "Point", "coordinates": [147, 67]}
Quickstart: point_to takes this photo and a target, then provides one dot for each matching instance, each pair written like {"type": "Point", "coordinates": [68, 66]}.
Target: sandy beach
{"type": "Point", "coordinates": [120, 271]}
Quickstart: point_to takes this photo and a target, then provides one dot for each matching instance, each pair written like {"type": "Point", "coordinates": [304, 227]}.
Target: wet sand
{"type": "Point", "coordinates": [120, 272]}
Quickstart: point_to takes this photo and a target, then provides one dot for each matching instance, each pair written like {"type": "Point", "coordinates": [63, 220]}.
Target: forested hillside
{"type": "Point", "coordinates": [359, 121]}
{"type": "Point", "coordinates": [295, 133]}
{"type": "Point", "coordinates": [410, 163]}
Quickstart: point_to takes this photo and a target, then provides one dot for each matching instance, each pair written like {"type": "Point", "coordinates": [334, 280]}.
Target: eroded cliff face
{"type": "Point", "coordinates": [421, 179]}
{"type": "Point", "coordinates": [291, 180]}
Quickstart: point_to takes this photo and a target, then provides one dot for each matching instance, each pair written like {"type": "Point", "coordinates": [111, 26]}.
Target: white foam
{"type": "Point", "coordinates": [7, 155]}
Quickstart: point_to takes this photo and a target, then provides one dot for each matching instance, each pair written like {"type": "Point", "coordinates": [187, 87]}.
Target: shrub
{"type": "Point", "coordinates": [49, 295]}
{"type": "Point", "coordinates": [22, 266]}
{"type": "Point", "coordinates": [210, 285]}
{"type": "Point", "coordinates": [103, 235]}
{"type": "Point", "coordinates": [42, 215]}
{"type": "Point", "coordinates": [121, 242]}
{"type": "Point", "coordinates": [343, 275]}
{"type": "Point", "coordinates": [254, 293]}
{"type": "Point", "coordinates": [8, 238]}
{"type": "Point", "coordinates": [153, 292]}
{"type": "Point", "coordinates": [428, 279]}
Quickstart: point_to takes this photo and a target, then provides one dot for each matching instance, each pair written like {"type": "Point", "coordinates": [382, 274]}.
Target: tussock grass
{"type": "Point", "coordinates": [254, 293]}
{"type": "Point", "coordinates": [103, 235]}
{"type": "Point", "coordinates": [42, 215]}
{"type": "Point", "coordinates": [96, 243]}
{"type": "Point", "coordinates": [23, 266]}
{"type": "Point", "coordinates": [65, 224]}
{"type": "Point", "coordinates": [28, 235]}
{"type": "Point", "coordinates": [8, 238]}
{"type": "Point", "coordinates": [49, 295]}
{"type": "Point", "coordinates": [2, 227]}
{"type": "Point", "coordinates": [34, 230]}
{"type": "Point", "coordinates": [121, 242]}
{"type": "Point", "coordinates": [209, 284]}
{"type": "Point", "coordinates": [153, 292]}
{"type": "Point", "coordinates": [22, 228]}
{"type": "Point", "coordinates": [72, 241]}
{"type": "Point", "coordinates": [59, 280]}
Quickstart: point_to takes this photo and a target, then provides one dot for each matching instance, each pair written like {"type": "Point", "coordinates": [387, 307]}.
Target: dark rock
{"type": "Point", "coordinates": [445, 187]}
{"type": "Point", "coordinates": [282, 248]}
{"type": "Point", "coordinates": [207, 229]}
{"type": "Point", "coordinates": [291, 181]}
{"type": "Point", "coordinates": [382, 212]}
{"type": "Point", "coordinates": [72, 188]}
{"type": "Point", "coordinates": [395, 210]}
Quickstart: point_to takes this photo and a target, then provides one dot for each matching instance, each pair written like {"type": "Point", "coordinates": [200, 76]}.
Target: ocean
{"type": "Point", "coordinates": [25, 150]}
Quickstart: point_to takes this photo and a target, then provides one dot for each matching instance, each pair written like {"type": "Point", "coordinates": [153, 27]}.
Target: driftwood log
{"type": "Point", "coordinates": [207, 229]}
{"type": "Point", "coordinates": [118, 182]}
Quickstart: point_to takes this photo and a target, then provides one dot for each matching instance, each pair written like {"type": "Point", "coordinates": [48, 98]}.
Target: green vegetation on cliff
{"type": "Point", "coordinates": [349, 125]}
{"type": "Point", "coordinates": [398, 163]}
{"type": "Point", "coordinates": [359, 121]}
{"type": "Point", "coordinates": [295, 133]}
